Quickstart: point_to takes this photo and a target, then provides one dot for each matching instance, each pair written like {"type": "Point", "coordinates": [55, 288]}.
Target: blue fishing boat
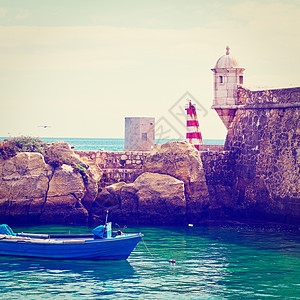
{"type": "Point", "coordinates": [101, 245]}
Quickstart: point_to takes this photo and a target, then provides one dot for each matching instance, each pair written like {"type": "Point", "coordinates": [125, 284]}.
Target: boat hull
{"type": "Point", "coordinates": [117, 248]}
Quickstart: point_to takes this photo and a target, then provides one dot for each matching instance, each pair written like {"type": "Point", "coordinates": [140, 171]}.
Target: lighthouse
{"type": "Point", "coordinates": [193, 134]}
{"type": "Point", "coordinates": [227, 77]}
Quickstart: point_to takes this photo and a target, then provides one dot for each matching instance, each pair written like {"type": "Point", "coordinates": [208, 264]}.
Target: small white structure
{"type": "Point", "coordinates": [139, 133]}
{"type": "Point", "coordinates": [227, 76]}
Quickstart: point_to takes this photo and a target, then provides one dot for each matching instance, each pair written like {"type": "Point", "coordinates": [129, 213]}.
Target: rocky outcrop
{"type": "Point", "coordinates": [63, 151]}
{"type": "Point", "coordinates": [108, 198]}
{"type": "Point", "coordinates": [66, 190]}
{"type": "Point", "coordinates": [92, 188]}
{"type": "Point", "coordinates": [221, 183]}
{"type": "Point", "coordinates": [182, 161]}
{"type": "Point", "coordinates": [154, 199]}
{"type": "Point", "coordinates": [24, 181]}
{"type": "Point", "coordinates": [32, 191]}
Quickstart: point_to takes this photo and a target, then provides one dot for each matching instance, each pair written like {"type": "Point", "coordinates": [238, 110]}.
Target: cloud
{"type": "Point", "coordinates": [3, 12]}
{"type": "Point", "coordinates": [93, 47]}
{"type": "Point", "coordinates": [22, 15]}
{"type": "Point", "coordinates": [267, 14]}
{"type": "Point", "coordinates": [265, 31]}
{"type": "Point", "coordinates": [253, 33]}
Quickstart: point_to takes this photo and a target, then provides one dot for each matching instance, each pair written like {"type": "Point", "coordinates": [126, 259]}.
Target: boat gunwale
{"type": "Point", "coordinates": [67, 240]}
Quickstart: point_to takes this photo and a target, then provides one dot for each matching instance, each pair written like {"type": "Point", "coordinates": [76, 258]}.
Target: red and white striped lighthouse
{"type": "Point", "coordinates": [193, 134]}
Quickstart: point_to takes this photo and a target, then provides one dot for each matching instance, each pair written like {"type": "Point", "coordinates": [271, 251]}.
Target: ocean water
{"type": "Point", "coordinates": [240, 262]}
{"type": "Point", "coordinates": [106, 144]}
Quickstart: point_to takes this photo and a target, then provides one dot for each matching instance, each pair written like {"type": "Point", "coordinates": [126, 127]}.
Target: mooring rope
{"type": "Point", "coordinates": [148, 249]}
{"type": "Point", "coordinates": [171, 261]}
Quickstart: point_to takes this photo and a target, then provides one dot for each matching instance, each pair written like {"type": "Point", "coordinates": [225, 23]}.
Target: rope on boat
{"type": "Point", "coordinates": [148, 249]}
{"type": "Point", "coordinates": [171, 261]}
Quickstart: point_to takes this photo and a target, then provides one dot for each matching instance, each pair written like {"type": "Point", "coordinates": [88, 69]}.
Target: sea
{"type": "Point", "coordinates": [224, 262]}
{"type": "Point", "coordinates": [107, 144]}
{"type": "Point", "coordinates": [258, 261]}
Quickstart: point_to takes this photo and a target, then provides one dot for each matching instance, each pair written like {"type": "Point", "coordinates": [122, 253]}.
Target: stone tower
{"type": "Point", "coordinates": [227, 76]}
{"type": "Point", "coordinates": [139, 133]}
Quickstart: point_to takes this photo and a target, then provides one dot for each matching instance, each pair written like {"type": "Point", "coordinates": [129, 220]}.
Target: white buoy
{"type": "Point", "coordinates": [191, 225]}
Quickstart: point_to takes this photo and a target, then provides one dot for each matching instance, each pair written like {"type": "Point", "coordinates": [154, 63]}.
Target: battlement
{"type": "Point", "coordinates": [280, 98]}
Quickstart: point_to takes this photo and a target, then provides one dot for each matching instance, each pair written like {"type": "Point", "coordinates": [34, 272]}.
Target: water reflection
{"type": "Point", "coordinates": [211, 263]}
{"type": "Point", "coordinates": [95, 270]}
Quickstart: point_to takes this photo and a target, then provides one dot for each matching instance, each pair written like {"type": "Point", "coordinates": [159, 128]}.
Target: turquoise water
{"type": "Point", "coordinates": [106, 144]}
{"type": "Point", "coordinates": [211, 263]}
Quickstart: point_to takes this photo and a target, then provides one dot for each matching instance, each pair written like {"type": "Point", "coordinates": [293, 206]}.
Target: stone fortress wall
{"type": "Point", "coordinates": [264, 139]}
{"type": "Point", "coordinates": [117, 166]}
{"type": "Point", "coordinates": [126, 166]}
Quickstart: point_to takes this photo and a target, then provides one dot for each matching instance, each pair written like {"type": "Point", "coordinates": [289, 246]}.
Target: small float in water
{"type": "Point", "coordinates": [101, 245]}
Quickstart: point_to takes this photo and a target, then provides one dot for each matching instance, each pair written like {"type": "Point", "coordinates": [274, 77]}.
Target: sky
{"type": "Point", "coordinates": [77, 68]}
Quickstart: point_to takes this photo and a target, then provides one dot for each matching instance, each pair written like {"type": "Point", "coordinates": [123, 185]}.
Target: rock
{"type": "Point", "coordinates": [107, 199]}
{"type": "Point", "coordinates": [155, 199]}
{"type": "Point", "coordinates": [92, 188]}
{"type": "Point", "coordinates": [31, 191]}
{"type": "Point", "coordinates": [109, 196]}
{"type": "Point", "coordinates": [66, 190]}
{"type": "Point", "coordinates": [65, 182]}
{"type": "Point", "coordinates": [62, 149]}
{"type": "Point", "coordinates": [64, 209]}
{"type": "Point", "coordinates": [182, 161]}
{"type": "Point", "coordinates": [24, 181]}
{"type": "Point", "coordinates": [80, 192]}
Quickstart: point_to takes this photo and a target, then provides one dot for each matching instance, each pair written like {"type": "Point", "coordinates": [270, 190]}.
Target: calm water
{"type": "Point", "coordinates": [106, 144]}
{"type": "Point", "coordinates": [211, 263]}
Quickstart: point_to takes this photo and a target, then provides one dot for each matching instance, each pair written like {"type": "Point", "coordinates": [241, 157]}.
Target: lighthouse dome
{"type": "Point", "coordinates": [226, 61]}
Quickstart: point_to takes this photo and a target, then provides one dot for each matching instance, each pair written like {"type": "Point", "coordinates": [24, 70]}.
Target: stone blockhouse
{"type": "Point", "coordinates": [139, 133]}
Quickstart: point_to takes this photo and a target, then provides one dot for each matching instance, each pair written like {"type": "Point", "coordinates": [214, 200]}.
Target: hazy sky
{"type": "Point", "coordinates": [81, 67]}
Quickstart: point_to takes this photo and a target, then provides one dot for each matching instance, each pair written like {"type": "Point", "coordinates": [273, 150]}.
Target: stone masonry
{"type": "Point", "coordinates": [117, 166]}
{"type": "Point", "coordinates": [264, 140]}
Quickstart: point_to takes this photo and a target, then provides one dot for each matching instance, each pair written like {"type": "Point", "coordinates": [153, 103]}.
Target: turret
{"type": "Point", "coordinates": [227, 76]}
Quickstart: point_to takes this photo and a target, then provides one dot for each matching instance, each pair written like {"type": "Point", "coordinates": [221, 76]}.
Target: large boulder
{"type": "Point", "coordinates": [108, 199]}
{"type": "Point", "coordinates": [154, 199]}
{"type": "Point", "coordinates": [73, 187]}
{"type": "Point", "coordinates": [32, 191]}
{"type": "Point", "coordinates": [92, 186]}
{"type": "Point", "coordinates": [182, 161]}
{"type": "Point", "coordinates": [63, 150]}
{"type": "Point", "coordinates": [66, 191]}
{"type": "Point", "coordinates": [24, 181]}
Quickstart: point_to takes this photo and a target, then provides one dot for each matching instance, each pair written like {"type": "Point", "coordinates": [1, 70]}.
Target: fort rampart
{"type": "Point", "coordinates": [125, 166]}
{"type": "Point", "coordinates": [264, 140]}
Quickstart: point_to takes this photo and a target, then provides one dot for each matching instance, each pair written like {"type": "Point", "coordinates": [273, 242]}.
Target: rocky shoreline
{"type": "Point", "coordinates": [166, 193]}
{"type": "Point", "coordinates": [178, 185]}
